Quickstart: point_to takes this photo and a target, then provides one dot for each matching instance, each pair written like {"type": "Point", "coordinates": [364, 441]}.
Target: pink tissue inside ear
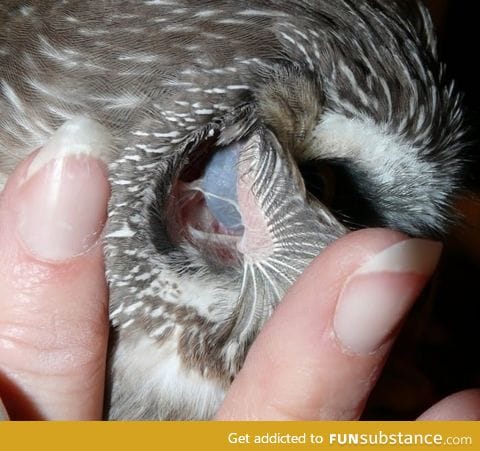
{"type": "Point", "coordinates": [256, 242]}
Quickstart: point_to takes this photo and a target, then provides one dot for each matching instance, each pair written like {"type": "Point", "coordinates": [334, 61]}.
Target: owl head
{"type": "Point", "coordinates": [275, 132]}
{"type": "Point", "coordinates": [248, 136]}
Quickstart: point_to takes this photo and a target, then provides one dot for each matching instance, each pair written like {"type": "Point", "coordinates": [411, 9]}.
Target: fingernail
{"type": "Point", "coordinates": [379, 294]}
{"type": "Point", "coordinates": [61, 204]}
{"type": "Point", "coordinates": [3, 412]}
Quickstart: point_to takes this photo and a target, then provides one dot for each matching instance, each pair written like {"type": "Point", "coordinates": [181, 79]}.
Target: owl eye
{"type": "Point", "coordinates": [220, 188]}
{"type": "Point", "coordinates": [319, 178]}
{"type": "Point", "coordinates": [345, 189]}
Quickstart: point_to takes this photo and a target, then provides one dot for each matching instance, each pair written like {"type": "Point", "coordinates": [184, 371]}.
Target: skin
{"type": "Point", "coordinates": [54, 332]}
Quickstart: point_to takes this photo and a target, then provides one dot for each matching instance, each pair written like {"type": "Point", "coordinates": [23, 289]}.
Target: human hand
{"type": "Point", "coordinates": [53, 304]}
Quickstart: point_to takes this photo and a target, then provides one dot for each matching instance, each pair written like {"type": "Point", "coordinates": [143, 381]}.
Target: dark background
{"type": "Point", "coordinates": [438, 352]}
{"type": "Point", "coordinates": [460, 49]}
{"type": "Point", "coordinates": [459, 46]}
{"type": "Point", "coordinates": [459, 296]}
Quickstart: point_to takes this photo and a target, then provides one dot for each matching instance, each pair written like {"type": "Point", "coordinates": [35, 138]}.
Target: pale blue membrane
{"type": "Point", "coordinates": [220, 187]}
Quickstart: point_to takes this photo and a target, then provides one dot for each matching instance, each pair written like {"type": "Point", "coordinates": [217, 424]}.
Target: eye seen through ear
{"type": "Point", "coordinates": [344, 190]}
{"type": "Point", "coordinates": [319, 178]}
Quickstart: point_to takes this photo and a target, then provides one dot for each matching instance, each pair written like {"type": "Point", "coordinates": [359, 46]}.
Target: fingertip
{"type": "Point", "coordinates": [461, 406]}
{"type": "Point", "coordinates": [55, 202]}
{"type": "Point", "coordinates": [359, 245]}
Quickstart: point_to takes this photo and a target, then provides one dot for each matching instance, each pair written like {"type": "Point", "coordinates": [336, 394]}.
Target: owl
{"type": "Point", "coordinates": [248, 135]}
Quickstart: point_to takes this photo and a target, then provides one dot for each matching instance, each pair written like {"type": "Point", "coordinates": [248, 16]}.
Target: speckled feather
{"type": "Point", "coordinates": [353, 82]}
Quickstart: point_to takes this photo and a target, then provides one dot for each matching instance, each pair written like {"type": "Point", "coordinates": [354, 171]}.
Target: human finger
{"type": "Point", "coordinates": [461, 406]}
{"type": "Point", "coordinates": [53, 294]}
{"type": "Point", "coordinates": [323, 349]}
